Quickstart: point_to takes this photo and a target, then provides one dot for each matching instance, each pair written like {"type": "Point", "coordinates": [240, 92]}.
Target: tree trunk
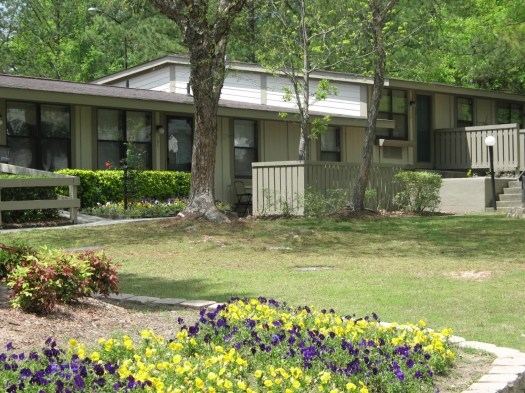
{"type": "Point", "coordinates": [379, 17]}
{"type": "Point", "coordinates": [205, 26]}
{"type": "Point", "coordinates": [206, 80]}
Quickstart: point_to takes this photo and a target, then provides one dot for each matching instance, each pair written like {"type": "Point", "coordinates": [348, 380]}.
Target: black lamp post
{"type": "Point", "coordinates": [490, 141]}
{"type": "Point", "coordinates": [97, 11]}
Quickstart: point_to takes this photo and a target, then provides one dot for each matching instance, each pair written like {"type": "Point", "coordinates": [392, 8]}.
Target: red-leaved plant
{"type": "Point", "coordinates": [49, 277]}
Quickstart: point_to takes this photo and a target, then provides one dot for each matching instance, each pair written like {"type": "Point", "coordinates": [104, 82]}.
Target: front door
{"type": "Point", "coordinates": [180, 141]}
{"type": "Point", "coordinates": [424, 127]}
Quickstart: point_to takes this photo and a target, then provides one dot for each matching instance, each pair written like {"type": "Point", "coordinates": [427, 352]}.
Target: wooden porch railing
{"type": "Point", "coordinates": [45, 179]}
{"type": "Point", "coordinates": [280, 187]}
{"type": "Point", "coordinates": [464, 148]}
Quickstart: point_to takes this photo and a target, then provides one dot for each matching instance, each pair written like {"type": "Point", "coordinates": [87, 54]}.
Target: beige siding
{"type": "Point", "coordinates": [244, 87]}
{"type": "Point", "coordinates": [444, 111]}
{"type": "Point", "coordinates": [223, 162]}
{"type": "Point", "coordinates": [153, 80]}
{"type": "Point", "coordinates": [275, 92]}
{"type": "Point", "coordinates": [274, 144]}
{"type": "Point", "coordinates": [182, 78]}
{"type": "Point", "coordinates": [294, 132]}
{"type": "Point", "coordinates": [347, 101]}
{"type": "Point", "coordinates": [83, 140]}
{"type": "Point", "coordinates": [353, 147]}
{"type": "Point", "coordinates": [484, 112]}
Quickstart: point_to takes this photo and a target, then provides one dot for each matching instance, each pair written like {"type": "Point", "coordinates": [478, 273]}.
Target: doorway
{"type": "Point", "coordinates": [424, 127]}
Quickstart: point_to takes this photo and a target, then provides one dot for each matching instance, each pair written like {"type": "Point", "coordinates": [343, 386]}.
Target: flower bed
{"type": "Point", "coordinates": [251, 345]}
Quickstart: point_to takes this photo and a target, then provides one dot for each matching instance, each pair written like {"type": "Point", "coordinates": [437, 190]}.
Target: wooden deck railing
{"type": "Point", "coordinates": [464, 148]}
{"type": "Point", "coordinates": [280, 187]}
{"type": "Point", "coordinates": [44, 179]}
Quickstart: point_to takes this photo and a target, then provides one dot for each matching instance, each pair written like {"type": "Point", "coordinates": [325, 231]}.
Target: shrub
{"type": "Point", "coordinates": [104, 279]}
{"type": "Point", "coordinates": [11, 256]}
{"type": "Point", "coordinates": [419, 191]}
{"type": "Point", "coordinates": [47, 277]}
{"type": "Point", "coordinates": [102, 186]}
{"type": "Point", "coordinates": [318, 205]}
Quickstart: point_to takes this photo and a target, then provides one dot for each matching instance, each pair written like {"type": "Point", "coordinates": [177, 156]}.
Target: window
{"type": "Point", "coordinates": [180, 142]}
{"type": "Point", "coordinates": [39, 135]}
{"type": "Point", "coordinates": [117, 130]}
{"type": "Point", "coordinates": [465, 108]}
{"type": "Point", "coordinates": [245, 147]}
{"type": "Point", "coordinates": [509, 113]}
{"type": "Point", "coordinates": [331, 144]}
{"type": "Point", "coordinates": [393, 106]}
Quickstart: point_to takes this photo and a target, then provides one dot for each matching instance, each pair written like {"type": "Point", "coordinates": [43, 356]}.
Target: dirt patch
{"type": "Point", "coordinates": [86, 321]}
{"type": "Point", "coordinates": [471, 275]}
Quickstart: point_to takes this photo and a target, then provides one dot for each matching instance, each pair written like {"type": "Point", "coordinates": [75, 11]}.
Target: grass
{"type": "Point", "coordinates": [466, 273]}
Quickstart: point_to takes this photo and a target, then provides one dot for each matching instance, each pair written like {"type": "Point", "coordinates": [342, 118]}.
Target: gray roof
{"type": "Point", "coordinates": [88, 89]}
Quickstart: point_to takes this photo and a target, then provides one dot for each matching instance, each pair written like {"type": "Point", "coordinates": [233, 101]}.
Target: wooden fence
{"type": "Point", "coordinates": [280, 187]}
{"type": "Point", "coordinates": [464, 148]}
{"type": "Point", "coordinates": [40, 179]}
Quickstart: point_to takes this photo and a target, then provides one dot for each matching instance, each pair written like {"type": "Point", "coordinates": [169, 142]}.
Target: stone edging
{"type": "Point", "coordinates": [507, 374]}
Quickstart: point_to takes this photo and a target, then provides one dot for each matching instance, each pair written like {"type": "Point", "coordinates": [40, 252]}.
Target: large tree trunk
{"type": "Point", "coordinates": [206, 79]}
{"type": "Point", "coordinates": [379, 17]}
{"type": "Point", "coordinates": [206, 26]}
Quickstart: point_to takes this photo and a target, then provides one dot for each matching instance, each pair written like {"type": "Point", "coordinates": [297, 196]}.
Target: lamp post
{"type": "Point", "coordinates": [97, 11]}
{"type": "Point", "coordinates": [490, 141]}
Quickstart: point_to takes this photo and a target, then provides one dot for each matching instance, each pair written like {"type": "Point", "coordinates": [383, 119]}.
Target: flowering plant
{"type": "Point", "coordinates": [260, 345]}
{"type": "Point", "coordinates": [140, 209]}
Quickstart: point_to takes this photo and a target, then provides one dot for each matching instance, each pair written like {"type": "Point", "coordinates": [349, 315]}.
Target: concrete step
{"type": "Point", "coordinates": [514, 184]}
{"type": "Point", "coordinates": [512, 190]}
{"type": "Point", "coordinates": [500, 210]}
{"type": "Point", "coordinates": [510, 197]}
{"type": "Point", "coordinates": [509, 204]}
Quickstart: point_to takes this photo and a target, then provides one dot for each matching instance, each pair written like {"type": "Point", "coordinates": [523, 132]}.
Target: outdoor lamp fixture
{"type": "Point", "coordinates": [490, 141]}
{"type": "Point", "coordinates": [160, 130]}
{"type": "Point", "coordinates": [97, 11]}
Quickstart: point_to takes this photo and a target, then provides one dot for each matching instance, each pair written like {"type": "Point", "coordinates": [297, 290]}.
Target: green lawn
{"type": "Point", "coordinates": [466, 273]}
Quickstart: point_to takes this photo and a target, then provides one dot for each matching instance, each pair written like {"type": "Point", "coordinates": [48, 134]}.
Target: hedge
{"type": "Point", "coordinates": [102, 186]}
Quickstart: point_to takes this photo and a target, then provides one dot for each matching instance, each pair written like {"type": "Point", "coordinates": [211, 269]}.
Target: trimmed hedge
{"type": "Point", "coordinates": [104, 186]}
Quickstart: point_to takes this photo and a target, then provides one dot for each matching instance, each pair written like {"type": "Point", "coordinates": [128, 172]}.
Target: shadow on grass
{"type": "Point", "coordinates": [193, 289]}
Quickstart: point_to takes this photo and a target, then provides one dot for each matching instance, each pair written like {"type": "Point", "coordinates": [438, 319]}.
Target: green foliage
{"type": "Point", "coordinates": [419, 191]}
{"type": "Point", "coordinates": [10, 256]}
{"type": "Point", "coordinates": [103, 279]}
{"type": "Point", "coordinates": [139, 209]}
{"type": "Point", "coordinates": [319, 205]}
{"type": "Point", "coordinates": [103, 186]}
{"type": "Point", "coordinates": [44, 278]}
{"type": "Point", "coordinates": [60, 39]}
{"type": "Point", "coordinates": [26, 194]}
